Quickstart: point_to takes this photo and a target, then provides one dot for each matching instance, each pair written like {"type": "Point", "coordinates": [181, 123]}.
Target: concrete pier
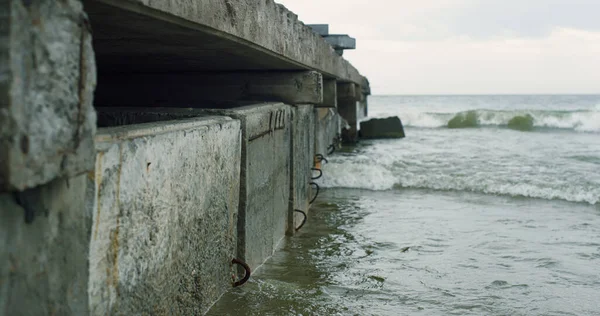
{"type": "Point", "coordinates": [146, 144]}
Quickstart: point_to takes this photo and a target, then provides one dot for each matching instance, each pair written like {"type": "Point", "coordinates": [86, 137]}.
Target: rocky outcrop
{"type": "Point", "coordinates": [390, 127]}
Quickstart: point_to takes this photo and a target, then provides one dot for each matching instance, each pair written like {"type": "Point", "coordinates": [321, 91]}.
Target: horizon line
{"type": "Point", "coordinates": [487, 94]}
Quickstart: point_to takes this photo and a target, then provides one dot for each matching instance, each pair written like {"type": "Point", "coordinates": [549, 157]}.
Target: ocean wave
{"type": "Point", "coordinates": [580, 121]}
{"type": "Point", "coordinates": [361, 174]}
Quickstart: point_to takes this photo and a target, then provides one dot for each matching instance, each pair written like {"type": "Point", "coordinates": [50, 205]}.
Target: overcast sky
{"type": "Point", "coordinates": [467, 46]}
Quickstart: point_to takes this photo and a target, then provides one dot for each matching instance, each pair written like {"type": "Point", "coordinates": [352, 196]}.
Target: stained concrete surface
{"type": "Point", "coordinates": [44, 263]}
{"type": "Point", "coordinates": [265, 168]}
{"type": "Point", "coordinates": [165, 214]}
{"type": "Point", "coordinates": [303, 139]}
{"type": "Point", "coordinates": [47, 79]}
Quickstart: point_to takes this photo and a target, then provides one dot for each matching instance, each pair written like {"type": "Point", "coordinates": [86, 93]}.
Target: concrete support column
{"type": "Point", "coordinates": [47, 124]}
{"type": "Point", "coordinates": [348, 109]}
{"type": "Point", "coordinates": [329, 94]}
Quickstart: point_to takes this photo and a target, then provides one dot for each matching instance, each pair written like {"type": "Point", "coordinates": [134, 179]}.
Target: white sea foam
{"type": "Point", "coordinates": [371, 175]}
{"type": "Point", "coordinates": [357, 176]}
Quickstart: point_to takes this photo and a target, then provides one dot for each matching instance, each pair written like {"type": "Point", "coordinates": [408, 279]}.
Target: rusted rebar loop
{"type": "Point", "coordinates": [303, 221]}
{"type": "Point", "coordinates": [330, 149]}
{"type": "Point", "coordinates": [321, 158]}
{"type": "Point", "coordinates": [320, 173]}
{"type": "Point", "coordinates": [316, 194]}
{"type": "Point", "coordinates": [246, 275]}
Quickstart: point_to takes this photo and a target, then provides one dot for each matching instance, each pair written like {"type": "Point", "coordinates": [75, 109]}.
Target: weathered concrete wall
{"type": "Point", "coordinates": [327, 127]}
{"type": "Point", "coordinates": [165, 215]}
{"type": "Point", "coordinates": [44, 264]}
{"type": "Point", "coordinates": [303, 139]}
{"type": "Point", "coordinates": [265, 168]}
{"type": "Point", "coordinates": [47, 79]}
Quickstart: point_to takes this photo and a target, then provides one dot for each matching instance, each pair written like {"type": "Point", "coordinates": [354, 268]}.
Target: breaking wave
{"type": "Point", "coordinates": [364, 173]}
{"type": "Point", "coordinates": [580, 121]}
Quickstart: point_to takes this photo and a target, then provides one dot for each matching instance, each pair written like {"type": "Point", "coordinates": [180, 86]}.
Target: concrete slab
{"type": "Point", "coordinates": [303, 138]}
{"type": "Point", "coordinates": [265, 168]}
{"type": "Point", "coordinates": [47, 79]}
{"type": "Point", "coordinates": [211, 35]}
{"type": "Point", "coordinates": [43, 263]}
{"type": "Point", "coordinates": [165, 214]}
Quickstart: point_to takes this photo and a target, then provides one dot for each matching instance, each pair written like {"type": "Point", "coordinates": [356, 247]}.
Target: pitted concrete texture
{"type": "Point", "coordinates": [327, 129]}
{"type": "Point", "coordinates": [47, 79]}
{"type": "Point", "coordinates": [209, 34]}
{"type": "Point", "coordinates": [303, 138]}
{"type": "Point", "coordinates": [265, 168]}
{"type": "Point", "coordinates": [165, 215]}
{"type": "Point", "coordinates": [44, 264]}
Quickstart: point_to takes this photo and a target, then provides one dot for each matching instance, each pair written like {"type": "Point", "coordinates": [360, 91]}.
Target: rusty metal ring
{"type": "Point", "coordinates": [321, 158]}
{"type": "Point", "coordinates": [303, 221]}
{"type": "Point", "coordinates": [320, 173]}
{"type": "Point", "coordinates": [246, 275]}
{"type": "Point", "coordinates": [329, 152]}
{"type": "Point", "coordinates": [316, 194]}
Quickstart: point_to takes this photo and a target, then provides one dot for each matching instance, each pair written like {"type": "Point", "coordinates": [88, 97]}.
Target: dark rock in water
{"type": "Point", "coordinates": [521, 123]}
{"type": "Point", "coordinates": [464, 120]}
{"type": "Point", "coordinates": [390, 127]}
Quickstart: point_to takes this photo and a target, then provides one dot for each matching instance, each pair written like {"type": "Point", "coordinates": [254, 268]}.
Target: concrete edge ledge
{"type": "Point", "coordinates": [111, 134]}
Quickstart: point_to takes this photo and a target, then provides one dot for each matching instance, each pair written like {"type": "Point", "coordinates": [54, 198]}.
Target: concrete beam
{"type": "Point", "coordinates": [165, 214]}
{"type": "Point", "coordinates": [321, 29]}
{"type": "Point", "coordinates": [47, 79]}
{"type": "Point", "coordinates": [215, 35]}
{"type": "Point", "coordinates": [303, 87]}
{"type": "Point", "coordinates": [329, 94]}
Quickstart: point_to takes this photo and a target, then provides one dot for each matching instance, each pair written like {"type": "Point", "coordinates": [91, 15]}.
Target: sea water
{"type": "Point", "coordinates": [485, 218]}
